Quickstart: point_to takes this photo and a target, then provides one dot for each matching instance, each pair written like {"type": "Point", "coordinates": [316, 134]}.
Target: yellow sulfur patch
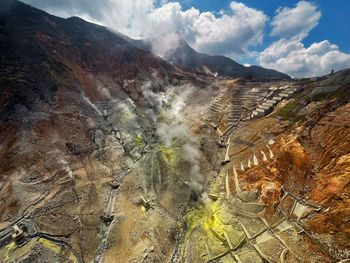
{"type": "Point", "coordinates": [143, 209]}
{"type": "Point", "coordinates": [207, 218]}
{"type": "Point", "coordinates": [10, 248]}
{"type": "Point", "coordinates": [73, 258]}
{"type": "Point", "coordinates": [139, 140]}
{"type": "Point", "coordinates": [50, 245]}
{"type": "Point", "coordinates": [169, 154]}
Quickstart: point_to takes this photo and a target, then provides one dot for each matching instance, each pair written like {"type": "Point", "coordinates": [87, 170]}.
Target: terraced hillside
{"type": "Point", "coordinates": [283, 178]}
{"type": "Point", "coordinates": [238, 103]}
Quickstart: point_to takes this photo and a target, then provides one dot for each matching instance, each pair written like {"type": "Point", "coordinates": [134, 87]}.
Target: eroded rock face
{"type": "Point", "coordinates": [299, 167]}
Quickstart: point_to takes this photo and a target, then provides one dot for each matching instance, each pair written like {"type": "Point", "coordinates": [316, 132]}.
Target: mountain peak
{"type": "Point", "coordinates": [183, 55]}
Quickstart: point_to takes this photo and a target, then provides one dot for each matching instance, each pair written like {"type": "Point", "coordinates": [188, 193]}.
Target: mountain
{"type": "Point", "coordinates": [80, 108]}
{"type": "Point", "coordinates": [109, 153]}
{"type": "Point", "coordinates": [42, 54]}
{"type": "Point", "coordinates": [183, 55]}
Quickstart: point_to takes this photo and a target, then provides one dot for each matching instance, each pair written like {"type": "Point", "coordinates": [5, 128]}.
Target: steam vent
{"type": "Point", "coordinates": [111, 152]}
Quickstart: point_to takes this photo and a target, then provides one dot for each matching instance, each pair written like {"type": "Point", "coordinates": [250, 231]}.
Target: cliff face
{"type": "Point", "coordinates": [311, 161]}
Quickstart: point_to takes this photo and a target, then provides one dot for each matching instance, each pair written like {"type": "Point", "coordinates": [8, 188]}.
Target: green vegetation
{"type": "Point", "coordinates": [307, 99]}
{"type": "Point", "coordinates": [286, 113]}
{"type": "Point", "coordinates": [329, 96]}
{"type": "Point", "coordinates": [299, 96]}
{"type": "Point", "coordinates": [299, 118]}
{"type": "Point", "coordinates": [19, 77]}
{"type": "Point", "coordinates": [60, 78]}
{"type": "Point", "coordinates": [311, 83]}
{"type": "Point", "coordinates": [46, 64]}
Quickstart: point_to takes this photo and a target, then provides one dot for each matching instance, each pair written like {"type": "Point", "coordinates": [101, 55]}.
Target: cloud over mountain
{"type": "Point", "coordinates": [230, 32]}
{"type": "Point", "coordinates": [237, 31]}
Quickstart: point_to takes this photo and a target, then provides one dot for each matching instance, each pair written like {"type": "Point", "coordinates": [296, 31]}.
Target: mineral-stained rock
{"type": "Point", "coordinates": [89, 124]}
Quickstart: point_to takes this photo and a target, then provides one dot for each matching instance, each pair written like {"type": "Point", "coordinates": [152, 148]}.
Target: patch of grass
{"type": "Point", "coordinates": [307, 99]}
{"type": "Point", "coordinates": [299, 96]}
{"type": "Point", "coordinates": [19, 77]}
{"type": "Point", "coordinates": [286, 113]}
{"type": "Point", "coordinates": [295, 120]}
{"type": "Point", "coordinates": [60, 78]}
{"type": "Point", "coordinates": [300, 118]}
{"type": "Point", "coordinates": [329, 96]}
{"type": "Point", "coordinates": [46, 64]}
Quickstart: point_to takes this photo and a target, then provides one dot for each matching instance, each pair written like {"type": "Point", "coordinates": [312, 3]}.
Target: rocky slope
{"type": "Point", "coordinates": [110, 154]}
{"type": "Point", "coordinates": [283, 191]}
{"type": "Point", "coordinates": [80, 109]}
{"type": "Point", "coordinates": [181, 54]}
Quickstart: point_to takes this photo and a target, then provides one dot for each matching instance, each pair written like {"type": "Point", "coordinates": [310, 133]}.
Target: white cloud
{"type": "Point", "coordinates": [295, 22]}
{"type": "Point", "coordinates": [291, 57]}
{"type": "Point", "coordinates": [230, 32]}
{"type": "Point", "coordinates": [289, 54]}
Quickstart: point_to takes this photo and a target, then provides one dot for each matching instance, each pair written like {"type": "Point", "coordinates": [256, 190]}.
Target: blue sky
{"type": "Point", "coordinates": [301, 38]}
{"type": "Point", "coordinates": [334, 24]}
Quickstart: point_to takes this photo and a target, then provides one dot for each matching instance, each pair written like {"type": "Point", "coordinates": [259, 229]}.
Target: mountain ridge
{"type": "Point", "coordinates": [183, 55]}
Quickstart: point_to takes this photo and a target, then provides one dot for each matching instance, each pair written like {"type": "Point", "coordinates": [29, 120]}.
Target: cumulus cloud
{"type": "Point", "coordinates": [295, 22]}
{"type": "Point", "coordinates": [228, 33]}
{"type": "Point", "coordinates": [289, 54]}
{"type": "Point", "coordinates": [292, 57]}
